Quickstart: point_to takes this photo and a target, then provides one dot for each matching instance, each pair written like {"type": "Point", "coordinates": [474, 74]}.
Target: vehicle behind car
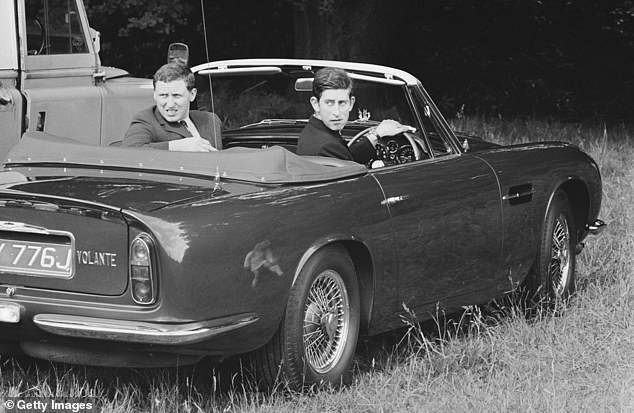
{"type": "Point", "coordinates": [52, 79]}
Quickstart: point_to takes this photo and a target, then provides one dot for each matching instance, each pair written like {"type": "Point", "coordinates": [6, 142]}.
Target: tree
{"type": "Point", "coordinates": [496, 57]}
{"type": "Point", "coordinates": [135, 33]}
{"type": "Point", "coordinates": [338, 29]}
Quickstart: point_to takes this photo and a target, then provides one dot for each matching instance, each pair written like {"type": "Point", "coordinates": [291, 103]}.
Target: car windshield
{"type": "Point", "coordinates": [283, 98]}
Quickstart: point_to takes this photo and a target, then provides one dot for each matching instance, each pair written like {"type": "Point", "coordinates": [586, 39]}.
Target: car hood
{"type": "Point", "coordinates": [474, 143]}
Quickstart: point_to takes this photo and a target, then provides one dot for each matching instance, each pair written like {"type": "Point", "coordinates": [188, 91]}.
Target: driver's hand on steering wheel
{"type": "Point", "coordinates": [390, 127]}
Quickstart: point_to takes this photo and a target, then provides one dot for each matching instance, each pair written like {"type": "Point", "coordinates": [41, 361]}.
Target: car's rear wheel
{"type": "Point", "coordinates": [553, 276]}
{"type": "Point", "coordinates": [317, 337]}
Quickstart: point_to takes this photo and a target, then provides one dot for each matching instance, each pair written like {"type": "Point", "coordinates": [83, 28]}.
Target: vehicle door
{"type": "Point", "coordinates": [446, 215]}
{"type": "Point", "coordinates": [10, 98]}
{"type": "Point", "coordinates": [123, 97]}
{"type": "Point", "coordinates": [60, 64]}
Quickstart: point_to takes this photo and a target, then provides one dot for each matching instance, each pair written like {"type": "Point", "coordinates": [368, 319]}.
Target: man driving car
{"type": "Point", "coordinates": [332, 101]}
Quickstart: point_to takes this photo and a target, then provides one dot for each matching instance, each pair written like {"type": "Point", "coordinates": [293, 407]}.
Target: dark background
{"type": "Point", "coordinates": [565, 60]}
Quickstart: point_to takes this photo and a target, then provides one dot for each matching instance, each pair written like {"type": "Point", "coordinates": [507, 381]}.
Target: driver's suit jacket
{"type": "Point", "coordinates": [317, 139]}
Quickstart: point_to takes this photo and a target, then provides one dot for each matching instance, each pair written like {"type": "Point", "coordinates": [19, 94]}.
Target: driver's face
{"type": "Point", "coordinates": [333, 108]}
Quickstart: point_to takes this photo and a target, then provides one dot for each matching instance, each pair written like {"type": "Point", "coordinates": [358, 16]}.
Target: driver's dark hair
{"type": "Point", "coordinates": [175, 71]}
{"type": "Point", "coordinates": [330, 78]}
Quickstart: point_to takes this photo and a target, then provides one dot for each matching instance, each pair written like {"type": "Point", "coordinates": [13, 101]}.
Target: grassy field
{"type": "Point", "coordinates": [489, 359]}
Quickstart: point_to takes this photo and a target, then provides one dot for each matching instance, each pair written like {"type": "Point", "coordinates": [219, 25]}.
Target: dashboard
{"type": "Point", "coordinates": [395, 150]}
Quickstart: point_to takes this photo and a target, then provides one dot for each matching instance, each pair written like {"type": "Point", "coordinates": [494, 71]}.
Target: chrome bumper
{"type": "Point", "coordinates": [596, 228]}
{"type": "Point", "coordinates": [140, 332]}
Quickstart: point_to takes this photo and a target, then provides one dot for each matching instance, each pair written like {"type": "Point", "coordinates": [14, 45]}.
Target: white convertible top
{"type": "Point", "coordinates": [365, 71]}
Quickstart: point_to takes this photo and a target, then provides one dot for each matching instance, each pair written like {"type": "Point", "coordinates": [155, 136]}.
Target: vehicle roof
{"type": "Point", "coordinates": [377, 71]}
{"type": "Point", "coordinates": [274, 165]}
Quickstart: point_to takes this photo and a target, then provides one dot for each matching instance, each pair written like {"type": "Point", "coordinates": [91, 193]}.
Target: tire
{"type": "Point", "coordinates": [552, 279]}
{"type": "Point", "coordinates": [313, 346]}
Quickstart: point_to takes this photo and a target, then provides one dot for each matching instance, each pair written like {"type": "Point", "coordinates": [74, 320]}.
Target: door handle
{"type": "Point", "coordinates": [520, 194]}
{"type": "Point", "coordinates": [393, 200]}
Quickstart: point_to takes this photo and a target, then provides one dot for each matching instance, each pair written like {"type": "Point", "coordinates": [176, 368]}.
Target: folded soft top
{"type": "Point", "coordinates": [270, 165]}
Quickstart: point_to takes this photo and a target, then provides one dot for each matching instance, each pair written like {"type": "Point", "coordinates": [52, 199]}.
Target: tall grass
{"type": "Point", "coordinates": [490, 358]}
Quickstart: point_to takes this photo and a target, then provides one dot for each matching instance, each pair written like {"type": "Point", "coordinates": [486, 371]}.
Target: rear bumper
{"type": "Point", "coordinates": [140, 332]}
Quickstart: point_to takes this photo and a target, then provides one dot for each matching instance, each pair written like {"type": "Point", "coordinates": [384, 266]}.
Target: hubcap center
{"type": "Point", "coordinates": [329, 324]}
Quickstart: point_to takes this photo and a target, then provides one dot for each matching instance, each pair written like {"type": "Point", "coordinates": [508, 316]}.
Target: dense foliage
{"type": "Point", "coordinates": [555, 58]}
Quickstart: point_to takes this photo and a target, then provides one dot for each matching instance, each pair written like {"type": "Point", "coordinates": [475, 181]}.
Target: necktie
{"type": "Point", "coordinates": [184, 125]}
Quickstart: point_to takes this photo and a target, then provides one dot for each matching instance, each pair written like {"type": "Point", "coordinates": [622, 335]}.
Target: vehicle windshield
{"type": "Point", "coordinates": [274, 99]}
{"type": "Point", "coordinates": [265, 105]}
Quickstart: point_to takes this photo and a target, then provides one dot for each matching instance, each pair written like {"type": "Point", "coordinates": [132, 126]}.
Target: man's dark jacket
{"type": "Point", "coordinates": [149, 128]}
{"type": "Point", "coordinates": [317, 139]}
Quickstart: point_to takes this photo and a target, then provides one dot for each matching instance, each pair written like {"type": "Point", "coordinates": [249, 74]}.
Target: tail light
{"type": "Point", "coordinates": [141, 271]}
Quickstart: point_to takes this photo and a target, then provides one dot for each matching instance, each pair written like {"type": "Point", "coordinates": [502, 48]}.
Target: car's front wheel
{"type": "Point", "coordinates": [316, 340]}
{"type": "Point", "coordinates": [553, 275]}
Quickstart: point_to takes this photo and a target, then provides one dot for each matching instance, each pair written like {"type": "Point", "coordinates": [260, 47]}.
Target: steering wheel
{"type": "Point", "coordinates": [358, 135]}
{"type": "Point", "coordinates": [39, 35]}
{"type": "Point", "coordinates": [407, 135]}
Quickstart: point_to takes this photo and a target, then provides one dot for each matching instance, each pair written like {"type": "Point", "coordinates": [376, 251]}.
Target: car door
{"type": "Point", "coordinates": [122, 99]}
{"type": "Point", "coordinates": [10, 98]}
{"type": "Point", "coordinates": [446, 216]}
{"type": "Point", "coordinates": [10, 114]}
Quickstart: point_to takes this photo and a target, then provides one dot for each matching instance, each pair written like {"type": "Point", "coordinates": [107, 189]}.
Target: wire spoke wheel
{"type": "Point", "coordinates": [326, 321]}
{"type": "Point", "coordinates": [317, 338]}
{"type": "Point", "coordinates": [559, 269]}
{"type": "Point", "coordinates": [552, 278]}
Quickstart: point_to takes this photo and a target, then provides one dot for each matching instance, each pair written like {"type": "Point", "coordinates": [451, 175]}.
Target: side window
{"type": "Point", "coordinates": [438, 145]}
{"type": "Point", "coordinates": [54, 27]}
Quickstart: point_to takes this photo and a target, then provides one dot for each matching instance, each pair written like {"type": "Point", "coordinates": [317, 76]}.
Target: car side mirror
{"type": "Point", "coordinates": [178, 52]}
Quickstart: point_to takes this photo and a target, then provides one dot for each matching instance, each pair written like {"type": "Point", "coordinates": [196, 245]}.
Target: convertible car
{"type": "Point", "coordinates": [139, 257]}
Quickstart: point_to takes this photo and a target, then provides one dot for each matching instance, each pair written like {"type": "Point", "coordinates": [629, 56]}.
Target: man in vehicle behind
{"type": "Point", "coordinates": [170, 124]}
{"type": "Point", "coordinates": [332, 102]}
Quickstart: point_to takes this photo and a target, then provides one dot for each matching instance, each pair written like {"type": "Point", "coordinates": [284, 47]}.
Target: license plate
{"type": "Point", "coordinates": [36, 258]}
